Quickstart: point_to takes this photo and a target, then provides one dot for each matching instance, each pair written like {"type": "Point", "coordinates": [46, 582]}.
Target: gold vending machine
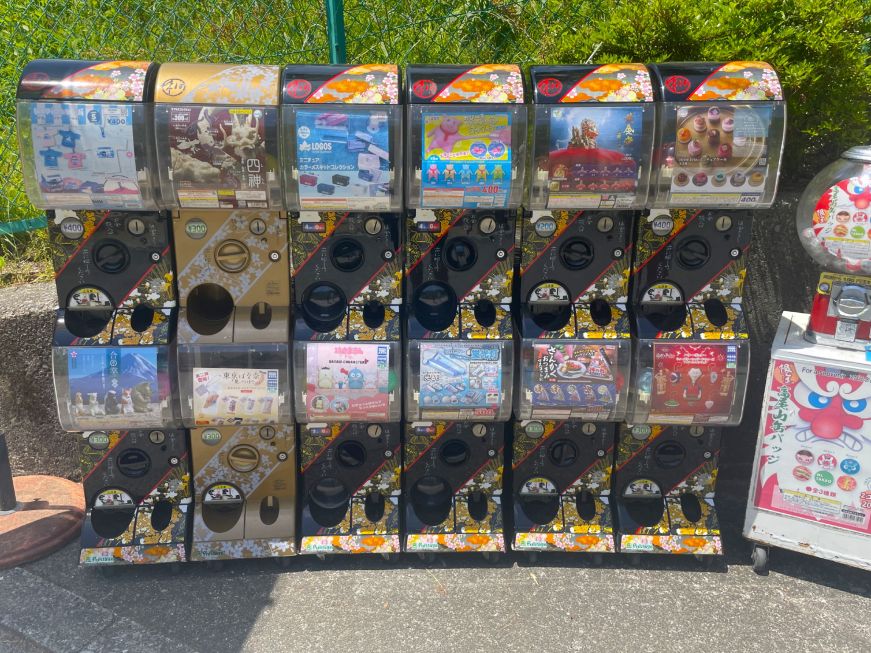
{"type": "Point", "coordinates": [217, 141]}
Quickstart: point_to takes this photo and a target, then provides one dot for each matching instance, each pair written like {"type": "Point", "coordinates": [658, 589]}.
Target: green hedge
{"type": "Point", "coordinates": [822, 51]}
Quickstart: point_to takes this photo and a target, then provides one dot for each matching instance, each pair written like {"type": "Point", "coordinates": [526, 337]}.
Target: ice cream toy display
{"type": "Point", "coordinates": [811, 491]}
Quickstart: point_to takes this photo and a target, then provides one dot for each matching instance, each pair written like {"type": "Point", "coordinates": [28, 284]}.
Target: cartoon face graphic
{"type": "Point", "coordinates": [860, 194]}
{"type": "Point", "coordinates": [355, 379]}
{"type": "Point", "coordinates": [836, 410]}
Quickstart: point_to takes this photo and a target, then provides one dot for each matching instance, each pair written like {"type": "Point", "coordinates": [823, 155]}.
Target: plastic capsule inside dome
{"type": "Point", "coordinates": [834, 214]}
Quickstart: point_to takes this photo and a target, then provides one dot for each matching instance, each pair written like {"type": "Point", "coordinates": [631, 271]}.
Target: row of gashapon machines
{"type": "Point", "coordinates": [211, 170]}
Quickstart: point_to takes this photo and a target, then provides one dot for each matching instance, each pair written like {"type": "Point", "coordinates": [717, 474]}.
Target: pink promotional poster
{"type": "Point", "coordinates": [816, 457]}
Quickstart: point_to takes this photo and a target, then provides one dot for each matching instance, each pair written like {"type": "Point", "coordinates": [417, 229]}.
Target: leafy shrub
{"type": "Point", "coordinates": [821, 50]}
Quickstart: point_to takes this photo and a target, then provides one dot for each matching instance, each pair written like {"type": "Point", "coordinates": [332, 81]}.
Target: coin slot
{"type": "Point", "coordinates": [111, 256]}
{"type": "Point", "coordinates": [261, 315]}
{"type": "Point", "coordinates": [161, 515]}
{"type": "Point", "coordinates": [460, 254]}
{"type": "Point", "coordinates": [577, 253]}
{"type": "Point", "coordinates": [209, 308]}
{"type": "Point", "coordinates": [269, 510]}
{"type": "Point", "coordinates": [87, 323]}
{"type": "Point", "coordinates": [243, 458]}
{"type": "Point", "coordinates": [351, 454]}
{"type": "Point", "coordinates": [716, 313]}
{"type": "Point", "coordinates": [141, 318]}
{"type": "Point", "coordinates": [693, 253]}
{"type": "Point", "coordinates": [435, 305]}
{"type": "Point", "coordinates": [323, 306]}
{"type": "Point", "coordinates": [563, 453]}
{"type": "Point", "coordinates": [669, 454]}
{"type": "Point", "coordinates": [477, 504]}
{"type": "Point", "coordinates": [373, 314]}
{"type": "Point", "coordinates": [133, 463]}
{"type": "Point", "coordinates": [600, 312]}
{"type": "Point", "coordinates": [347, 255]}
{"type": "Point", "coordinates": [328, 501]}
{"type": "Point", "coordinates": [374, 506]}
{"type": "Point", "coordinates": [485, 313]}
{"type": "Point", "coordinates": [454, 452]}
{"type": "Point", "coordinates": [110, 523]}
{"type": "Point", "coordinates": [585, 503]}
{"type": "Point", "coordinates": [432, 500]}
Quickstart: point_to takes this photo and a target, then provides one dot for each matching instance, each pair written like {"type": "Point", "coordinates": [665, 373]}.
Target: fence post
{"type": "Point", "coordinates": [7, 489]}
{"type": "Point", "coordinates": [336, 30]}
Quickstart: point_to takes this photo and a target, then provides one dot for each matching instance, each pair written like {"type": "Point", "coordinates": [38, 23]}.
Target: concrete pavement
{"type": "Point", "coordinates": [459, 603]}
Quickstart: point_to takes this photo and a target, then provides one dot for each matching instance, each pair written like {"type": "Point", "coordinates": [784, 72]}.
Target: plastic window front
{"type": "Point", "coordinates": [459, 157]}
{"type": "Point", "coordinates": [218, 157]}
{"type": "Point", "coordinates": [460, 379]}
{"type": "Point", "coordinates": [234, 384]}
{"type": "Point", "coordinates": [689, 382]}
{"type": "Point", "coordinates": [573, 379]}
{"type": "Point", "coordinates": [87, 155]}
{"type": "Point", "coordinates": [340, 381]}
{"type": "Point", "coordinates": [719, 154]}
{"type": "Point", "coordinates": [342, 157]}
{"type": "Point", "coordinates": [100, 388]}
{"type": "Point", "coordinates": [591, 155]}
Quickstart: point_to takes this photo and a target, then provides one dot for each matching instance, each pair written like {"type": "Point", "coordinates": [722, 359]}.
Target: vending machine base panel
{"type": "Point", "coordinates": [674, 534]}
{"type": "Point", "coordinates": [353, 544]}
{"type": "Point", "coordinates": [575, 535]}
{"type": "Point", "coordinates": [242, 549]}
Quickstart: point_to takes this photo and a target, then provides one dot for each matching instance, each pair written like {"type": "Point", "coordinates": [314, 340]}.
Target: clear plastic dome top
{"type": "Point", "coordinates": [834, 214]}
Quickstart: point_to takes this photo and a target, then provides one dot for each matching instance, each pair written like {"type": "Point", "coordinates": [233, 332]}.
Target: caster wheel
{"type": "Point", "coordinates": [175, 569]}
{"type": "Point", "coordinates": [635, 559]}
{"type": "Point", "coordinates": [324, 558]}
{"type": "Point", "coordinates": [426, 557]}
{"type": "Point", "coordinates": [390, 558]}
{"type": "Point", "coordinates": [215, 565]}
{"type": "Point", "coordinates": [532, 557]}
{"type": "Point", "coordinates": [760, 560]}
{"type": "Point", "coordinates": [491, 556]}
{"type": "Point", "coordinates": [282, 562]}
{"type": "Point", "coordinates": [597, 559]}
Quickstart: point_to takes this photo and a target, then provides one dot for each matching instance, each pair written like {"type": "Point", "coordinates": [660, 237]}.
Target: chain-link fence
{"type": "Point", "coordinates": [271, 31]}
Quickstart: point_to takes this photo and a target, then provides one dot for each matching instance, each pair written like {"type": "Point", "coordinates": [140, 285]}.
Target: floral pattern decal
{"type": "Point", "coordinates": [370, 84]}
{"type": "Point", "coordinates": [108, 80]}
{"type": "Point", "coordinates": [740, 80]}
{"type": "Point", "coordinates": [490, 83]}
{"type": "Point", "coordinates": [618, 82]}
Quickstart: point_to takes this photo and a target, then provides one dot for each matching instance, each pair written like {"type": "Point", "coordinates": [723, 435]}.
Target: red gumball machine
{"type": "Point", "coordinates": [811, 486]}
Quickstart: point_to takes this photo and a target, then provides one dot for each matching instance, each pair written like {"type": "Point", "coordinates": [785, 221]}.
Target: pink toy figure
{"type": "Point", "coordinates": [432, 174]}
{"type": "Point", "coordinates": [445, 135]}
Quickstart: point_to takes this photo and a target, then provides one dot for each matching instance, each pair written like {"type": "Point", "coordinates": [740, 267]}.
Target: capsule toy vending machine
{"type": "Point", "coordinates": [217, 134]}
{"type": "Point", "coordinates": [717, 157]}
{"type": "Point", "coordinates": [466, 141]}
{"type": "Point", "coordinates": [85, 135]}
{"type": "Point", "coordinates": [342, 129]}
{"type": "Point", "coordinates": [590, 168]}
{"type": "Point", "coordinates": [811, 485]}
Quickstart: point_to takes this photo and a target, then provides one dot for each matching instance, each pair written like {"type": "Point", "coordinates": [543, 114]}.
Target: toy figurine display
{"type": "Point", "coordinates": [216, 130]}
{"type": "Point", "coordinates": [466, 142]}
{"type": "Point", "coordinates": [271, 275]}
{"type": "Point", "coordinates": [592, 150]}
{"type": "Point", "coordinates": [811, 489]}
{"type": "Point", "coordinates": [718, 146]}
{"type": "Point", "coordinates": [342, 126]}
